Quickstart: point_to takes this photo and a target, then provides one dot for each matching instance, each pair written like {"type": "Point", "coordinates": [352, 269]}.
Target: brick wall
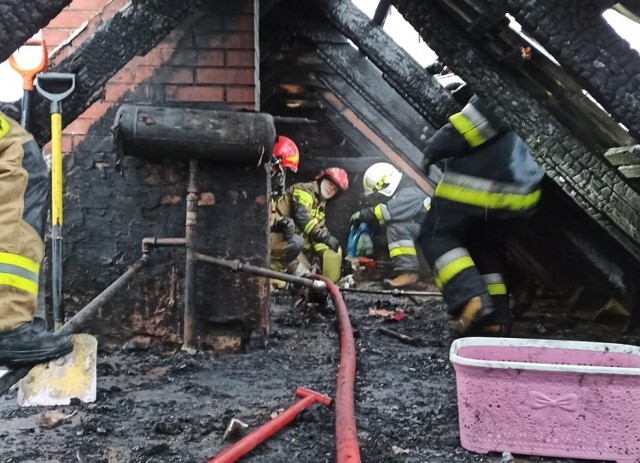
{"type": "Point", "coordinates": [208, 59]}
{"type": "Point", "coordinates": [207, 62]}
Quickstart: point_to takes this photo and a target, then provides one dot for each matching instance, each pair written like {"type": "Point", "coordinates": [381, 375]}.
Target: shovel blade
{"type": "Point", "coordinates": [59, 381]}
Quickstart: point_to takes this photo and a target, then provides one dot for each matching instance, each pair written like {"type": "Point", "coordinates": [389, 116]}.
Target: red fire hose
{"type": "Point", "coordinates": [347, 448]}
{"type": "Point", "coordinates": [251, 441]}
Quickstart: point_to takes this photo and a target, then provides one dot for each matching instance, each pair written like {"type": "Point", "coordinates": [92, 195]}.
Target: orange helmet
{"type": "Point", "coordinates": [336, 175]}
{"type": "Point", "coordinates": [285, 153]}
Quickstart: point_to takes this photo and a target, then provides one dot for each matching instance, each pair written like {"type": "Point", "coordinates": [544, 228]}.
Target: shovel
{"type": "Point", "coordinates": [74, 375]}
{"type": "Point", "coordinates": [28, 70]}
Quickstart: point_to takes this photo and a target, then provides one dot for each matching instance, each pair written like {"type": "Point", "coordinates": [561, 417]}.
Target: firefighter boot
{"type": "Point", "coordinates": [28, 344]}
{"type": "Point", "coordinates": [402, 281]}
{"type": "Point", "coordinates": [476, 311]}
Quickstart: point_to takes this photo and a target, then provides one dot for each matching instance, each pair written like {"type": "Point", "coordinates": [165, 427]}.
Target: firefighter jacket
{"type": "Point", "coordinates": [488, 166]}
{"type": "Point", "coordinates": [304, 204]}
{"type": "Point", "coordinates": [402, 215]}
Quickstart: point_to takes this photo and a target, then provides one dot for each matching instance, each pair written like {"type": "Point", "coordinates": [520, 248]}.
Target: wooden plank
{"type": "Point", "coordinates": [623, 155]}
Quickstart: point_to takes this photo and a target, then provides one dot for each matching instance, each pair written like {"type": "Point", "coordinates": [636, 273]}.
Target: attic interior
{"type": "Point", "coordinates": [331, 79]}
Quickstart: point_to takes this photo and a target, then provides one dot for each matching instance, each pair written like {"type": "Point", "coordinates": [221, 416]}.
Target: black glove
{"type": "Point", "coordinates": [332, 242]}
{"type": "Point", "coordinates": [286, 226]}
{"type": "Point", "coordinates": [365, 215]}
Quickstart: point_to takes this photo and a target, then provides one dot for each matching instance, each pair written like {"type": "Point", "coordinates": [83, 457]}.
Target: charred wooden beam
{"type": "Point", "coordinates": [22, 19]}
{"type": "Point", "coordinates": [131, 32]}
{"type": "Point", "coordinates": [400, 69]}
{"type": "Point", "coordinates": [586, 45]}
{"type": "Point", "coordinates": [595, 186]}
{"type": "Point", "coordinates": [382, 10]}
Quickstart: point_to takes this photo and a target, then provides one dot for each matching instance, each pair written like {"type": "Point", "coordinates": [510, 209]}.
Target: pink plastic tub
{"type": "Point", "coordinates": [553, 398]}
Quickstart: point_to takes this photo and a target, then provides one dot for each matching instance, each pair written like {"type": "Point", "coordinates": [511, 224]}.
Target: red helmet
{"type": "Point", "coordinates": [285, 153]}
{"type": "Point", "coordinates": [336, 175]}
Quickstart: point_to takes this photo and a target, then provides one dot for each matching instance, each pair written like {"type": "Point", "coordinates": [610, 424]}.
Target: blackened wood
{"type": "Point", "coordinates": [221, 136]}
{"type": "Point", "coordinates": [131, 32]}
{"type": "Point", "coordinates": [594, 185]}
{"type": "Point", "coordinates": [579, 37]}
{"type": "Point", "coordinates": [382, 10]}
{"type": "Point", "coordinates": [22, 19]}
{"type": "Point", "coordinates": [419, 88]}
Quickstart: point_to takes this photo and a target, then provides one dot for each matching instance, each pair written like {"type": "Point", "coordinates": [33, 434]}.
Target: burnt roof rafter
{"type": "Point", "coordinates": [131, 32]}
{"type": "Point", "coordinates": [22, 19]}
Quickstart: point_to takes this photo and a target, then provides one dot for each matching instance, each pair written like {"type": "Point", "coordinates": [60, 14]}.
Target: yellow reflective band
{"type": "Point", "coordinates": [452, 269]}
{"type": "Point", "coordinates": [320, 247]}
{"type": "Point", "coordinates": [509, 201]}
{"type": "Point", "coordinates": [496, 289]}
{"type": "Point", "coordinates": [377, 210]}
{"type": "Point", "coordinates": [403, 251]}
{"type": "Point", "coordinates": [4, 127]}
{"type": "Point", "coordinates": [309, 226]}
{"type": "Point", "coordinates": [303, 197]}
{"type": "Point", "coordinates": [19, 261]}
{"type": "Point", "coordinates": [470, 133]}
{"type": "Point", "coordinates": [19, 282]}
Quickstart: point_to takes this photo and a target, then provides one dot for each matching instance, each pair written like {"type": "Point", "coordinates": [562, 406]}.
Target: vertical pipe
{"type": "Point", "coordinates": [190, 271]}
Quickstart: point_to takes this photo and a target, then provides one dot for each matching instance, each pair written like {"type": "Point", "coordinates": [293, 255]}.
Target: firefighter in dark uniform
{"type": "Point", "coordinates": [305, 204]}
{"type": "Point", "coordinates": [403, 211]}
{"type": "Point", "coordinates": [490, 180]}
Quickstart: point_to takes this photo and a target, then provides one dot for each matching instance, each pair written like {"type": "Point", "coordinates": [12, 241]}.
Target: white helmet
{"type": "Point", "coordinates": [381, 178]}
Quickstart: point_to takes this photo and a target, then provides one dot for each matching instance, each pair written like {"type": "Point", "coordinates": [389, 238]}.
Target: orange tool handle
{"type": "Point", "coordinates": [29, 74]}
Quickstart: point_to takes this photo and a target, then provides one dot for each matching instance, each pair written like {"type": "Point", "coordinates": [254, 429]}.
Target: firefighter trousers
{"type": "Point", "coordinates": [23, 207]}
{"type": "Point", "coordinates": [401, 238]}
{"type": "Point", "coordinates": [466, 251]}
{"type": "Point", "coordinates": [284, 252]}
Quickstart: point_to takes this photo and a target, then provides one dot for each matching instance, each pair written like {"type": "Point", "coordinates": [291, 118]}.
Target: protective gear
{"type": "Point", "coordinates": [402, 281]}
{"type": "Point", "coordinates": [28, 344]}
{"type": "Point", "coordinates": [365, 215]}
{"type": "Point", "coordinates": [23, 194]}
{"type": "Point", "coordinates": [285, 154]}
{"type": "Point", "coordinates": [491, 181]}
{"type": "Point", "coordinates": [332, 242]}
{"type": "Point", "coordinates": [286, 226]}
{"type": "Point", "coordinates": [336, 175]}
{"type": "Point", "coordinates": [381, 178]}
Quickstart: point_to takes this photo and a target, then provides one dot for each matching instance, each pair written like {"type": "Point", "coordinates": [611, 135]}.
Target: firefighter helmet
{"type": "Point", "coordinates": [285, 154]}
{"type": "Point", "coordinates": [381, 178]}
{"type": "Point", "coordinates": [336, 175]}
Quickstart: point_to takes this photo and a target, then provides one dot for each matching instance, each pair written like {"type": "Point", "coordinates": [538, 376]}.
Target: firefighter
{"type": "Point", "coordinates": [305, 204]}
{"type": "Point", "coordinates": [285, 244]}
{"type": "Point", "coordinates": [23, 197]}
{"type": "Point", "coordinates": [402, 210]}
{"type": "Point", "coordinates": [490, 181]}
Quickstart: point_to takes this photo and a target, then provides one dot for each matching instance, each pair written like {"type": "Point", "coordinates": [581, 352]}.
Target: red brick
{"type": "Point", "coordinates": [79, 127]}
{"type": "Point", "coordinates": [210, 58]}
{"type": "Point", "coordinates": [154, 57]}
{"type": "Point", "coordinates": [67, 143]}
{"type": "Point", "coordinates": [238, 40]}
{"type": "Point", "coordinates": [70, 19]}
{"type": "Point", "coordinates": [96, 110]}
{"type": "Point", "coordinates": [89, 5]}
{"type": "Point", "coordinates": [209, 93]}
{"type": "Point", "coordinates": [124, 75]}
{"type": "Point", "coordinates": [115, 91]}
{"type": "Point", "coordinates": [240, 58]}
{"type": "Point", "coordinates": [240, 95]}
{"type": "Point", "coordinates": [179, 57]}
{"type": "Point", "coordinates": [164, 75]}
{"type": "Point", "coordinates": [239, 23]}
{"type": "Point", "coordinates": [54, 37]}
{"type": "Point", "coordinates": [242, 106]}
{"type": "Point", "coordinates": [225, 76]}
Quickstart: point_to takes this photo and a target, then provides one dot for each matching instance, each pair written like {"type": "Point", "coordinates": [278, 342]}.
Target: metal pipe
{"type": "Point", "coordinates": [189, 338]}
{"type": "Point", "coordinates": [78, 320]}
{"type": "Point", "coordinates": [393, 292]}
{"type": "Point", "coordinates": [153, 242]}
{"type": "Point", "coordinates": [235, 265]}
{"type": "Point", "coordinates": [255, 438]}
